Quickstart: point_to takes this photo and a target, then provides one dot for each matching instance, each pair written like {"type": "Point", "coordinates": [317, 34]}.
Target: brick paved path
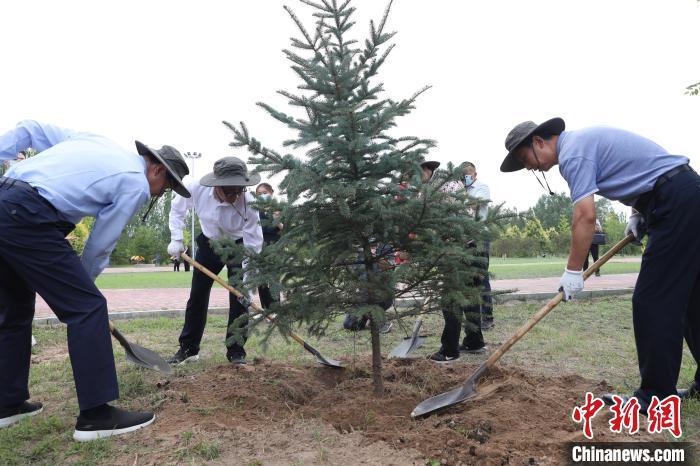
{"type": "Point", "coordinates": [122, 300]}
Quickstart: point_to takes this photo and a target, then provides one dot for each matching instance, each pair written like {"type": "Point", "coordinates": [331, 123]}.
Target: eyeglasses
{"type": "Point", "coordinates": [231, 192]}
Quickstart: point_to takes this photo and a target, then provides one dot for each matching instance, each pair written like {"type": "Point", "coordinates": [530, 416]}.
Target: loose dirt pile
{"type": "Point", "coordinates": [280, 414]}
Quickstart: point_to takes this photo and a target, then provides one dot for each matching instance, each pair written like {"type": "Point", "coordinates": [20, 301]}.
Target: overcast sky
{"type": "Point", "coordinates": [168, 72]}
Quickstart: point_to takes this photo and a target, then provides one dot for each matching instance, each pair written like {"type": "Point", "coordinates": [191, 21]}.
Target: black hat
{"type": "Point", "coordinates": [230, 171]}
{"type": "Point", "coordinates": [173, 161]}
{"type": "Point", "coordinates": [521, 133]}
{"type": "Point", "coordinates": [430, 165]}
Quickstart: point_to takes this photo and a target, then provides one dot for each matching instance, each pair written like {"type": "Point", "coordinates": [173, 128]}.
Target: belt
{"type": "Point", "coordinates": [643, 201]}
{"type": "Point", "coordinates": [671, 173]}
{"type": "Point", "coordinates": [10, 182]}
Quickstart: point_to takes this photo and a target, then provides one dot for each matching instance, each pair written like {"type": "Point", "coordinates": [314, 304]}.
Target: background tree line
{"type": "Point", "coordinates": [545, 229]}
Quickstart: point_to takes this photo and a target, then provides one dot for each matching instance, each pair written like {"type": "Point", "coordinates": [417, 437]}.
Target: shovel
{"type": "Point", "coordinates": [468, 390]}
{"type": "Point", "coordinates": [247, 304]}
{"type": "Point", "coordinates": [409, 344]}
{"type": "Point", "coordinates": [139, 355]}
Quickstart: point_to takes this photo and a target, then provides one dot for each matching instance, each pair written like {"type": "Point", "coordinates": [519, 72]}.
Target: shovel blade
{"type": "Point", "coordinates": [447, 399]}
{"type": "Point", "coordinates": [410, 344]}
{"type": "Point", "coordinates": [328, 362]}
{"type": "Point", "coordinates": [146, 358]}
{"type": "Point", "coordinates": [320, 358]}
{"type": "Point", "coordinates": [406, 347]}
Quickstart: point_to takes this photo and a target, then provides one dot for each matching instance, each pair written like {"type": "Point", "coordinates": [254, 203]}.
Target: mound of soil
{"type": "Point", "coordinates": [516, 418]}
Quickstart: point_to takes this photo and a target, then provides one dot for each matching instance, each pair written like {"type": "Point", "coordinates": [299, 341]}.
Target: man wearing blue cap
{"type": "Point", "coordinates": [664, 192]}
{"type": "Point", "coordinates": [75, 175]}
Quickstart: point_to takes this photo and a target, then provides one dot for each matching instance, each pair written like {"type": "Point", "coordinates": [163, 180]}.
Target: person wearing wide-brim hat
{"type": "Point", "coordinates": [664, 193]}
{"type": "Point", "coordinates": [75, 175]}
{"type": "Point", "coordinates": [222, 203]}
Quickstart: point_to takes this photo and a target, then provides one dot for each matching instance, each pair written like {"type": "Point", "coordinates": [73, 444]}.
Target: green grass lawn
{"type": "Point", "coordinates": [590, 338]}
{"type": "Point", "coordinates": [534, 267]}
{"type": "Point", "coordinates": [147, 280]}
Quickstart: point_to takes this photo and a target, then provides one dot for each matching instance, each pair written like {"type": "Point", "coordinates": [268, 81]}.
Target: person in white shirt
{"type": "Point", "coordinates": [222, 203]}
{"type": "Point", "coordinates": [480, 190]}
{"type": "Point", "coordinates": [476, 316]}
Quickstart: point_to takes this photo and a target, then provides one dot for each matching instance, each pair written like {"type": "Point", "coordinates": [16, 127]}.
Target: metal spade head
{"type": "Point", "coordinates": [410, 344]}
{"type": "Point", "coordinates": [444, 400]}
{"type": "Point", "coordinates": [321, 359]}
{"type": "Point", "coordinates": [141, 356]}
{"type": "Point", "coordinates": [148, 359]}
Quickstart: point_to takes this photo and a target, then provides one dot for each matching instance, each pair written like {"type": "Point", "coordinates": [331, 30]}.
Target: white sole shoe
{"type": "Point", "coordinates": [87, 435]}
{"type": "Point", "coordinates": [8, 421]}
{"type": "Point", "coordinates": [186, 360]}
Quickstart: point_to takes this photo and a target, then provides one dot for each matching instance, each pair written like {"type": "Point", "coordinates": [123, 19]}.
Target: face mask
{"type": "Point", "coordinates": [468, 180]}
{"type": "Point", "coordinates": [264, 197]}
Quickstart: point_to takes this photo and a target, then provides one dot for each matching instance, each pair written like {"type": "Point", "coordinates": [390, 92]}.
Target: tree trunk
{"type": "Point", "coordinates": [376, 360]}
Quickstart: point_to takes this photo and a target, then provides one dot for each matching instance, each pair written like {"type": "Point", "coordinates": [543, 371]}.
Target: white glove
{"type": "Point", "coordinates": [637, 226]}
{"type": "Point", "coordinates": [571, 283]}
{"type": "Point", "coordinates": [175, 248]}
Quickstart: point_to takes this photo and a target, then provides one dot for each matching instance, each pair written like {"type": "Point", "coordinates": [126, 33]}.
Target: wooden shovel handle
{"type": "Point", "coordinates": [551, 304]}
{"type": "Point", "coordinates": [220, 281]}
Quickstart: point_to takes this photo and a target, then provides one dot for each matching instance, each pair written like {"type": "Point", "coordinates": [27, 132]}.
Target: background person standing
{"type": "Point", "coordinates": [480, 192]}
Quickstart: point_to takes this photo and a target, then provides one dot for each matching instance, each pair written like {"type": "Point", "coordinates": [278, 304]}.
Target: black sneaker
{"type": "Point", "coordinates": [182, 356]}
{"type": "Point", "coordinates": [12, 414]}
{"type": "Point", "coordinates": [238, 358]}
{"type": "Point", "coordinates": [468, 349]}
{"type": "Point", "coordinates": [443, 359]}
{"type": "Point", "coordinates": [109, 421]}
{"type": "Point", "coordinates": [687, 393]}
{"type": "Point", "coordinates": [487, 324]}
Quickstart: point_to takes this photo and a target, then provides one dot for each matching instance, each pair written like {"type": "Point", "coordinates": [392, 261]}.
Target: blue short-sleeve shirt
{"type": "Point", "coordinates": [616, 164]}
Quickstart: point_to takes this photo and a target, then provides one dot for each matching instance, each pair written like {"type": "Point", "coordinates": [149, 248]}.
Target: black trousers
{"type": "Point", "coordinates": [198, 304]}
{"type": "Point", "coordinates": [473, 338]}
{"type": "Point", "coordinates": [593, 251]}
{"type": "Point", "coordinates": [487, 299]}
{"type": "Point", "coordinates": [266, 298]}
{"type": "Point", "coordinates": [36, 258]}
{"type": "Point", "coordinates": [666, 300]}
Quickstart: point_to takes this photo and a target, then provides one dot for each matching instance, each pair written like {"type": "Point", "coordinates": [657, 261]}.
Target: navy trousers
{"type": "Point", "coordinates": [666, 300]}
{"type": "Point", "coordinates": [198, 304]}
{"type": "Point", "coordinates": [36, 258]}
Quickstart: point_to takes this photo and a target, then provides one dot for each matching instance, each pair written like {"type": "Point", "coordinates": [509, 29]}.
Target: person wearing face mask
{"type": "Point", "coordinates": [479, 315]}
{"type": "Point", "coordinates": [271, 233]}
{"type": "Point", "coordinates": [222, 204]}
{"type": "Point", "coordinates": [75, 175]}
{"type": "Point", "coordinates": [664, 192]}
{"type": "Point", "coordinates": [480, 191]}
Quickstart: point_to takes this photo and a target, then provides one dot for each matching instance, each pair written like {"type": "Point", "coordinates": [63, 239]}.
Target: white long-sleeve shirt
{"type": "Point", "coordinates": [218, 219]}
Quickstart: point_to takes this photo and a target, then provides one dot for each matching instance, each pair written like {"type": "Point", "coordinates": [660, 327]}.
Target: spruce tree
{"type": "Point", "coordinates": [354, 195]}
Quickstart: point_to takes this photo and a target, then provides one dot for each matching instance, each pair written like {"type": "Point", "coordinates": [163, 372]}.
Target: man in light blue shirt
{"type": "Point", "coordinates": [664, 192]}
{"type": "Point", "coordinates": [75, 175]}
